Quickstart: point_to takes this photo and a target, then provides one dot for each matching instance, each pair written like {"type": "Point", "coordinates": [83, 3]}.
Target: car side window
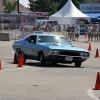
{"type": "Point", "coordinates": [32, 39]}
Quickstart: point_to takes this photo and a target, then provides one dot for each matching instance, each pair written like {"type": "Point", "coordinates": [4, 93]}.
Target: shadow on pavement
{"type": "Point", "coordinates": [49, 65]}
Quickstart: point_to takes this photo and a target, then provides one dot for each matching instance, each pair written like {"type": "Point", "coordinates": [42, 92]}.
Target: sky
{"type": "Point", "coordinates": [24, 2]}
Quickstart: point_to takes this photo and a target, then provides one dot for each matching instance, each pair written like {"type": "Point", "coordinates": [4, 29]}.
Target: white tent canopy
{"type": "Point", "coordinates": [68, 14]}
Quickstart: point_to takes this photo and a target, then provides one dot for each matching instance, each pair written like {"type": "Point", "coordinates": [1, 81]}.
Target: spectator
{"type": "Point", "coordinates": [2, 26]}
{"type": "Point", "coordinates": [42, 27]}
{"type": "Point", "coordinates": [30, 27]}
{"type": "Point", "coordinates": [90, 34]}
{"type": "Point", "coordinates": [73, 34]}
{"type": "Point", "coordinates": [59, 28]}
{"type": "Point", "coordinates": [77, 31]}
{"type": "Point", "coordinates": [64, 28]}
{"type": "Point", "coordinates": [68, 31]}
{"type": "Point", "coordinates": [98, 36]}
{"type": "Point", "coordinates": [95, 32]}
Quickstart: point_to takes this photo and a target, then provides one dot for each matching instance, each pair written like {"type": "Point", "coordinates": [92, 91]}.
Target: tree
{"type": "Point", "coordinates": [31, 5]}
{"type": "Point", "coordinates": [48, 5]}
{"type": "Point", "coordinates": [53, 8]}
{"type": "Point", "coordinates": [89, 1]}
{"type": "Point", "coordinates": [63, 2]}
{"type": "Point", "coordinates": [9, 7]}
{"type": "Point", "coordinates": [40, 5]}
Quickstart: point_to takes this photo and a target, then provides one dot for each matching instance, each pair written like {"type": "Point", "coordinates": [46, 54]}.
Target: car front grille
{"type": "Point", "coordinates": [70, 53]}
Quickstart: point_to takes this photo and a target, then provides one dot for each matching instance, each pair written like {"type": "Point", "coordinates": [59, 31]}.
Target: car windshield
{"type": "Point", "coordinates": [53, 40]}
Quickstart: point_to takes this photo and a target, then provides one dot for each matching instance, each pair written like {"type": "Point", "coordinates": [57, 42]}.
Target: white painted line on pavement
{"type": "Point", "coordinates": [90, 94]}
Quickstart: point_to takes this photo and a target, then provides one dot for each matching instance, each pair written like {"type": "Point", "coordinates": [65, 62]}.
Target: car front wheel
{"type": "Point", "coordinates": [78, 64]}
{"type": "Point", "coordinates": [18, 54]}
{"type": "Point", "coordinates": [42, 60]}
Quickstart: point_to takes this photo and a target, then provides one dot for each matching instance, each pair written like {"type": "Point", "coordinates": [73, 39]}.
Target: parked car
{"type": "Point", "coordinates": [49, 48]}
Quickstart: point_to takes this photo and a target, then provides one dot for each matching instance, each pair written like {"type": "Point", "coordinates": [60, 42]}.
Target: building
{"type": "Point", "coordinates": [14, 19]}
{"type": "Point", "coordinates": [21, 7]}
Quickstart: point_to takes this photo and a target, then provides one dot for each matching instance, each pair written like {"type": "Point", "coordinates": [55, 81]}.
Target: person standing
{"type": "Point", "coordinates": [2, 26]}
{"type": "Point", "coordinates": [73, 32]}
{"type": "Point", "coordinates": [77, 31]}
{"type": "Point", "coordinates": [64, 28]}
{"type": "Point", "coordinates": [98, 35]}
{"type": "Point", "coordinates": [90, 33]}
{"type": "Point", "coordinates": [97, 32]}
{"type": "Point", "coordinates": [68, 31]}
{"type": "Point", "coordinates": [59, 29]}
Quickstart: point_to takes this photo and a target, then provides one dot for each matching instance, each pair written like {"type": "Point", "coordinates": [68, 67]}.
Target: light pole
{"type": "Point", "coordinates": [18, 6]}
{"type": "Point", "coordinates": [34, 5]}
{"type": "Point", "coordinates": [1, 28]}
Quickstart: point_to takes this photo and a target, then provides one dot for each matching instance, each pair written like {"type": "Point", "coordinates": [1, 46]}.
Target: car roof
{"type": "Point", "coordinates": [47, 34]}
{"type": "Point", "coordinates": [39, 34]}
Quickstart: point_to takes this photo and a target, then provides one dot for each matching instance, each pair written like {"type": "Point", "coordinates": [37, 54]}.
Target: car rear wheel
{"type": "Point", "coordinates": [78, 64]}
{"type": "Point", "coordinates": [42, 60]}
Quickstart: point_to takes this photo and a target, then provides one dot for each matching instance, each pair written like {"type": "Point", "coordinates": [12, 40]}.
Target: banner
{"type": "Point", "coordinates": [90, 7]}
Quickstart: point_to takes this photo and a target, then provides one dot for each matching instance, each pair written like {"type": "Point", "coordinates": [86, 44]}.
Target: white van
{"type": "Point", "coordinates": [46, 22]}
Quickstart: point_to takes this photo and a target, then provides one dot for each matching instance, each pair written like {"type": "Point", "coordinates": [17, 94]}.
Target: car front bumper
{"type": "Point", "coordinates": [64, 58]}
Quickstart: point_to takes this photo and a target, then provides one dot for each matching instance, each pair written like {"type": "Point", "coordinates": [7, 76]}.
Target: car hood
{"type": "Point", "coordinates": [64, 47]}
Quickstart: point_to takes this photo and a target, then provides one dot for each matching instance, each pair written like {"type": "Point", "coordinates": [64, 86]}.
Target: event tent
{"type": "Point", "coordinates": [68, 14]}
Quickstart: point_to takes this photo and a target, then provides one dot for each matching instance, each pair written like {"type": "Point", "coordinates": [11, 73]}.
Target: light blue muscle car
{"type": "Point", "coordinates": [49, 48]}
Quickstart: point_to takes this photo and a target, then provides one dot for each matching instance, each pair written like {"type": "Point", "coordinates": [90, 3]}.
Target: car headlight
{"type": "Point", "coordinates": [86, 54]}
{"type": "Point", "coordinates": [53, 51]}
{"type": "Point", "coordinates": [81, 53]}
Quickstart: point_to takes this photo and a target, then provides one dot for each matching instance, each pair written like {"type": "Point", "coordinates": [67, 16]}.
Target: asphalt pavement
{"type": "Point", "coordinates": [60, 82]}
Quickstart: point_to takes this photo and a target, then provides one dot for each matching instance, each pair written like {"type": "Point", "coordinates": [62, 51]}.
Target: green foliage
{"type": "Point", "coordinates": [51, 6]}
{"type": "Point", "coordinates": [9, 7]}
{"type": "Point", "coordinates": [40, 5]}
{"type": "Point", "coordinates": [89, 1]}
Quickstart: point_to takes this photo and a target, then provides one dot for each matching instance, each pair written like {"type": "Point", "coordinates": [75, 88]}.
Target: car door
{"type": "Point", "coordinates": [30, 47]}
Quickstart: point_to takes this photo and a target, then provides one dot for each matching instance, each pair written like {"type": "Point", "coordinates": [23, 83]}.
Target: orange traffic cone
{"type": "Point", "coordinates": [15, 59]}
{"type": "Point", "coordinates": [22, 59]}
{"type": "Point", "coordinates": [20, 62]}
{"type": "Point", "coordinates": [97, 85]}
{"type": "Point", "coordinates": [97, 53]}
{"type": "Point", "coordinates": [89, 48]}
{"type": "Point", "coordinates": [0, 66]}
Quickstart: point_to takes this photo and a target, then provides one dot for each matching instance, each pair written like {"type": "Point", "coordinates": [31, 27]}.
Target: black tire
{"type": "Point", "coordinates": [53, 63]}
{"type": "Point", "coordinates": [18, 54]}
{"type": "Point", "coordinates": [78, 64]}
{"type": "Point", "coordinates": [15, 61]}
{"type": "Point", "coordinates": [42, 60]}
